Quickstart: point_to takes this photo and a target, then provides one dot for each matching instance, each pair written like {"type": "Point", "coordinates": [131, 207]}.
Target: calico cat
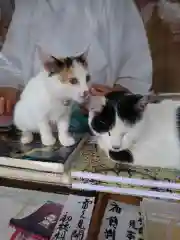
{"type": "Point", "coordinates": [131, 130]}
{"type": "Point", "coordinates": [48, 98]}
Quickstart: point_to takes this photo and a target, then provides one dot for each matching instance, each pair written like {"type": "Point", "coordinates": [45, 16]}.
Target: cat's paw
{"type": "Point", "coordinates": [48, 140]}
{"type": "Point", "coordinates": [26, 138]}
{"type": "Point", "coordinates": [67, 140]}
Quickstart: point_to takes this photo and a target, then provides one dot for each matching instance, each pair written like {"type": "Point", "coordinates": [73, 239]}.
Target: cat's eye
{"type": "Point", "coordinates": [73, 81]}
{"type": "Point", "coordinates": [87, 78]}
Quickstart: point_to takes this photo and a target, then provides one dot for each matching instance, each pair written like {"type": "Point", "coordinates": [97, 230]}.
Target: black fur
{"type": "Point", "coordinates": [105, 120]}
{"type": "Point", "coordinates": [88, 78]}
{"type": "Point", "coordinates": [115, 96]}
{"type": "Point", "coordinates": [58, 62]}
{"type": "Point", "coordinates": [125, 105]}
{"type": "Point", "coordinates": [127, 109]}
{"type": "Point", "coordinates": [81, 59]}
{"type": "Point", "coordinates": [62, 63]}
{"type": "Point", "coordinates": [68, 62]}
{"type": "Point", "coordinates": [123, 156]}
{"type": "Point", "coordinates": [54, 66]}
{"type": "Point", "coordinates": [57, 65]}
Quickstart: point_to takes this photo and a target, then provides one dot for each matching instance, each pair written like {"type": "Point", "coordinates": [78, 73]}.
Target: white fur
{"type": "Point", "coordinates": [42, 101]}
{"type": "Point", "coordinates": [153, 141]}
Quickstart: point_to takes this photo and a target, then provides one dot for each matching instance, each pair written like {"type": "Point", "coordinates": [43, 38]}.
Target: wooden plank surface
{"type": "Point", "coordinates": [99, 210]}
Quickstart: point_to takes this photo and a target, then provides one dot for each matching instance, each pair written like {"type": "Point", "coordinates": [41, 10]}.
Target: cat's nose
{"type": "Point", "coordinates": [85, 94]}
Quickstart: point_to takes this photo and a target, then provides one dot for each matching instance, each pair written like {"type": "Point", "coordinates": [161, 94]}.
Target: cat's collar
{"type": "Point", "coordinates": [66, 102]}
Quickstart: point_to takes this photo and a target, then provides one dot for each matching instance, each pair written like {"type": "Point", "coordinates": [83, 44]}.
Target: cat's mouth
{"type": "Point", "coordinates": [122, 156]}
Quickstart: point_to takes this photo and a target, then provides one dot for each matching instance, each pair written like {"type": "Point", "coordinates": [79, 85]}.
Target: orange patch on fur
{"type": "Point", "coordinates": [65, 75]}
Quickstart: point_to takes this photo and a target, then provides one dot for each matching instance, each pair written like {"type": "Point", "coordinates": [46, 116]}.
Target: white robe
{"type": "Point", "coordinates": [112, 31]}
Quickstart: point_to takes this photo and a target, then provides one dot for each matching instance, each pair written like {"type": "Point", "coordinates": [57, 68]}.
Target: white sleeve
{"type": "Point", "coordinates": [14, 51]}
{"type": "Point", "coordinates": [135, 72]}
{"type": "Point", "coordinates": [7, 77]}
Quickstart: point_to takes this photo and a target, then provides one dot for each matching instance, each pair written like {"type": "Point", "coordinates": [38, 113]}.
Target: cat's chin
{"type": "Point", "coordinates": [123, 156]}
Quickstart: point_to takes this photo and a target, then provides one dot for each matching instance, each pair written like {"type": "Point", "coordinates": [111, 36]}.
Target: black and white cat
{"type": "Point", "coordinates": [131, 130]}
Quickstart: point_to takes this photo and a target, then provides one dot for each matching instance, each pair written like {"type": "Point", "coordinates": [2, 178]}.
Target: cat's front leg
{"type": "Point", "coordinates": [45, 131]}
{"type": "Point", "coordinates": [64, 136]}
{"type": "Point", "coordinates": [26, 137]}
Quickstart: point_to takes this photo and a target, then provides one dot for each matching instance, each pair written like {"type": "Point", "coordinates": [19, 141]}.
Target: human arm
{"type": "Point", "coordinates": [102, 90]}
{"type": "Point", "coordinates": [129, 64]}
{"type": "Point", "coordinates": [135, 72]}
{"type": "Point", "coordinates": [8, 98]}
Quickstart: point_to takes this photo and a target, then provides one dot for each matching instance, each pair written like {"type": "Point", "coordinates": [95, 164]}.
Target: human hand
{"type": "Point", "coordinates": [99, 90]}
{"type": "Point", "coordinates": [8, 98]}
{"type": "Point", "coordinates": [102, 90]}
{"type": "Point", "coordinates": [95, 90]}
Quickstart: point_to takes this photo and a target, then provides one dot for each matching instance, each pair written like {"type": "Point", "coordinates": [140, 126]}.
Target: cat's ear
{"type": "Point", "coordinates": [43, 56]}
{"type": "Point", "coordinates": [84, 55]}
{"type": "Point", "coordinates": [142, 103]}
{"type": "Point", "coordinates": [53, 65]}
{"type": "Point", "coordinates": [50, 63]}
{"type": "Point", "coordinates": [83, 58]}
{"type": "Point", "coordinates": [115, 96]}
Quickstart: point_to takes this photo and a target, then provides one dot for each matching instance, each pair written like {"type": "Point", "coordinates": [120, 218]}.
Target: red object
{"type": "Point", "coordinates": [6, 121]}
{"type": "Point", "coordinates": [20, 234]}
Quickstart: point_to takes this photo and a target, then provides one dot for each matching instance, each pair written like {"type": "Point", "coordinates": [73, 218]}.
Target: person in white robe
{"type": "Point", "coordinates": [112, 31]}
